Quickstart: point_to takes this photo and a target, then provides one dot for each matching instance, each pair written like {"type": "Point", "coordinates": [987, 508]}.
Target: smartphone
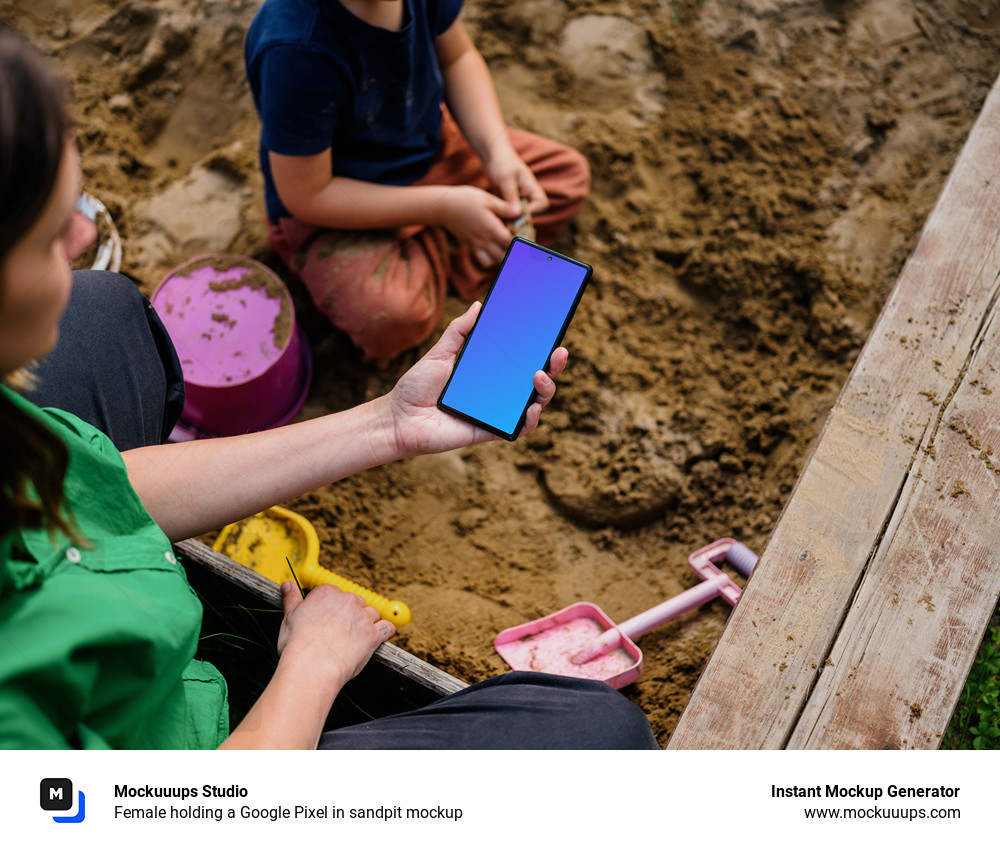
{"type": "Point", "coordinates": [522, 321]}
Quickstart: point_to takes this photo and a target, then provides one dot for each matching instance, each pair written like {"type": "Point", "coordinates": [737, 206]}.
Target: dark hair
{"type": "Point", "coordinates": [34, 127]}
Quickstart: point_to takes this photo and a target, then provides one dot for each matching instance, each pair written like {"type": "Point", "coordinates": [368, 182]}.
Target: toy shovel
{"type": "Point", "coordinates": [581, 640]}
{"type": "Point", "coordinates": [276, 541]}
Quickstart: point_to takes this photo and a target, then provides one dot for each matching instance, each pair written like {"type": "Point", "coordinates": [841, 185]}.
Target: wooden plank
{"type": "Point", "coordinates": [392, 657]}
{"type": "Point", "coordinates": [906, 646]}
{"type": "Point", "coordinates": [867, 536]}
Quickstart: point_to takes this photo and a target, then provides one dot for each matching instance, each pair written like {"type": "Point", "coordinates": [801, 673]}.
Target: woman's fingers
{"type": "Point", "coordinates": [558, 360]}
{"type": "Point", "coordinates": [463, 324]}
{"type": "Point", "coordinates": [545, 388]}
{"type": "Point", "coordinates": [291, 598]}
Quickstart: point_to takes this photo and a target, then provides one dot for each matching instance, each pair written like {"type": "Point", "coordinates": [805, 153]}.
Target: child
{"type": "Point", "coordinates": [387, 165]}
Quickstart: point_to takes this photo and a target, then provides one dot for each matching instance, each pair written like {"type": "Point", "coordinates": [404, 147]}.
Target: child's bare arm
{"type": "Point", "coordinates": [311, 195]}
{"type": "Point", "coordinates": [478, 218]}
{"type": "Point", "coordinates": [472, 99]}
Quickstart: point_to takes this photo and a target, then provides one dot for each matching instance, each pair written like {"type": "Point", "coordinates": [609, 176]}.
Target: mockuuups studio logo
{"type": "Point", "coordinates": [56, 795]}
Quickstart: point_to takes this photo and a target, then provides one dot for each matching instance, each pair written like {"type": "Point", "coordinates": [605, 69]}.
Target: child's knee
{"type": "Point", "coordinates": [566, 182]}
{"type": "Point", "coordinates": [391, 328]}
{"type": "Point", "coordinates": [385, 294]}
{"type": "Point", "coordinates": [577, 175]}
{"type": "Point", "coordinates": [397, 314]}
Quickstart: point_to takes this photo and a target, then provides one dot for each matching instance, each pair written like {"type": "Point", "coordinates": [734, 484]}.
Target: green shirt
{"type": "Point", "coordinates": [97, 643]}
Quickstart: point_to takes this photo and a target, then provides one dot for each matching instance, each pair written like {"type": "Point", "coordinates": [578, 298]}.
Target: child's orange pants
{"type": "Point", "coordinates": [386, 289]}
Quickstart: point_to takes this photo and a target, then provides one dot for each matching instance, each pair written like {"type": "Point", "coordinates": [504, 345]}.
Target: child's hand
{"type": "Point", "coordinates": [514, 180]}
{"type": "Point", "coordinates": [476, 218]}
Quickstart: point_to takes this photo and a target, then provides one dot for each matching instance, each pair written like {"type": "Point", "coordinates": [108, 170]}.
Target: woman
{"type": "Point", "coordinates": [98, 626]}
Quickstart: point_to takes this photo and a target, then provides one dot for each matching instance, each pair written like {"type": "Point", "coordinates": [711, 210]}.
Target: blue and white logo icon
{"type": "Point", "coordinates": [56, 795]}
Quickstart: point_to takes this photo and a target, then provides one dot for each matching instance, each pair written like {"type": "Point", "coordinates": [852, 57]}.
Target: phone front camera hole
{"type": "Point", "coordinates": [549, 259]}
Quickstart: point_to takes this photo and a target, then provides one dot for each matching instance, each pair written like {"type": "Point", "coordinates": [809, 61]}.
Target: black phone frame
{"type": "Point", "coordinates": [559, 338]}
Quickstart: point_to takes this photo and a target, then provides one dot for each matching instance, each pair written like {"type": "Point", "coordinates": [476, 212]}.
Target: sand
{"type": "Point", "coordinates": [761, 170]}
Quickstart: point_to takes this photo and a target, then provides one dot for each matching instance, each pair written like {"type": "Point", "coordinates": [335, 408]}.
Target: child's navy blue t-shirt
{"type": "Point", "coordinates": [322, 78]}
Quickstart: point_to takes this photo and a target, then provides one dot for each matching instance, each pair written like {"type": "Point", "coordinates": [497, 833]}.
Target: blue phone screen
{"type": "Point", "coordinates": [521, 322]}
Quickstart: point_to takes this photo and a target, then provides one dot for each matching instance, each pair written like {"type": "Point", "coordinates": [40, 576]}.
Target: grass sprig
{"type": "Point", "coordinates": [288, 561]}
{"type": "Point", "coordinates": [975, 725]}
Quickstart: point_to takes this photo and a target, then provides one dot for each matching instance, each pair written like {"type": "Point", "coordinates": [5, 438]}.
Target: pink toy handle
{"type": "Point", "coordinates": [688, 600]}
{"type": "Point", "coordinates": [715, 583]}
{"type": "Point", "coordinates": [656, 616]}
{"type": "Point", "coordinates": [742, 558]}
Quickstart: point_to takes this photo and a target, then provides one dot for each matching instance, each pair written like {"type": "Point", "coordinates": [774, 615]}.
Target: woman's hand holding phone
{"type": "Point", "coordinates": [421, 427]}
{"type": "Point", "coordinates": [520, 326]}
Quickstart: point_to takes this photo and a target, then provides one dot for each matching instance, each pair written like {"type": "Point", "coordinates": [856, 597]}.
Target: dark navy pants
{"type": "Point", "coordinates": [516, 711]}
{"type": "Point", "coordinates": [114, 365]}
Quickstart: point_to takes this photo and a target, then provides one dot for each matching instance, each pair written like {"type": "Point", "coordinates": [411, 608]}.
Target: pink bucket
{"type": "Point", "coordinates": [246, 363]}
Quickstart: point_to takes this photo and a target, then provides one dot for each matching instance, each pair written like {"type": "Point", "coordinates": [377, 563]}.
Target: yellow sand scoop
{"type": "Point", "coordinates": [268, 541]}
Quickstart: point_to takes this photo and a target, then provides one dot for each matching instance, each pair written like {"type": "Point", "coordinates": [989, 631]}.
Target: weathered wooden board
{"type": "Point", "coordinates": [872, 595]}
{"type": "Point", "coordinates": [399, 661]}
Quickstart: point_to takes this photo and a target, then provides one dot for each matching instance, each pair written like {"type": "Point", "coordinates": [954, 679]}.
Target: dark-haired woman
{"type": "Point", "coordinates": [98, 625]}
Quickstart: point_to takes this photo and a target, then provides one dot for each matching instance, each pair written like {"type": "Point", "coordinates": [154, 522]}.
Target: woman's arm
{"type": "Point", "coordinates": [324, 642]}
{"type": "Point", "coordinates": [193, 487]}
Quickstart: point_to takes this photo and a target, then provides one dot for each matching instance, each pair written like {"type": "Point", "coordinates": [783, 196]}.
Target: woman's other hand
{"type": "Point", "coordinates": [325, 640]}
{"type": "Point", "coordinates": [336, 631]}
